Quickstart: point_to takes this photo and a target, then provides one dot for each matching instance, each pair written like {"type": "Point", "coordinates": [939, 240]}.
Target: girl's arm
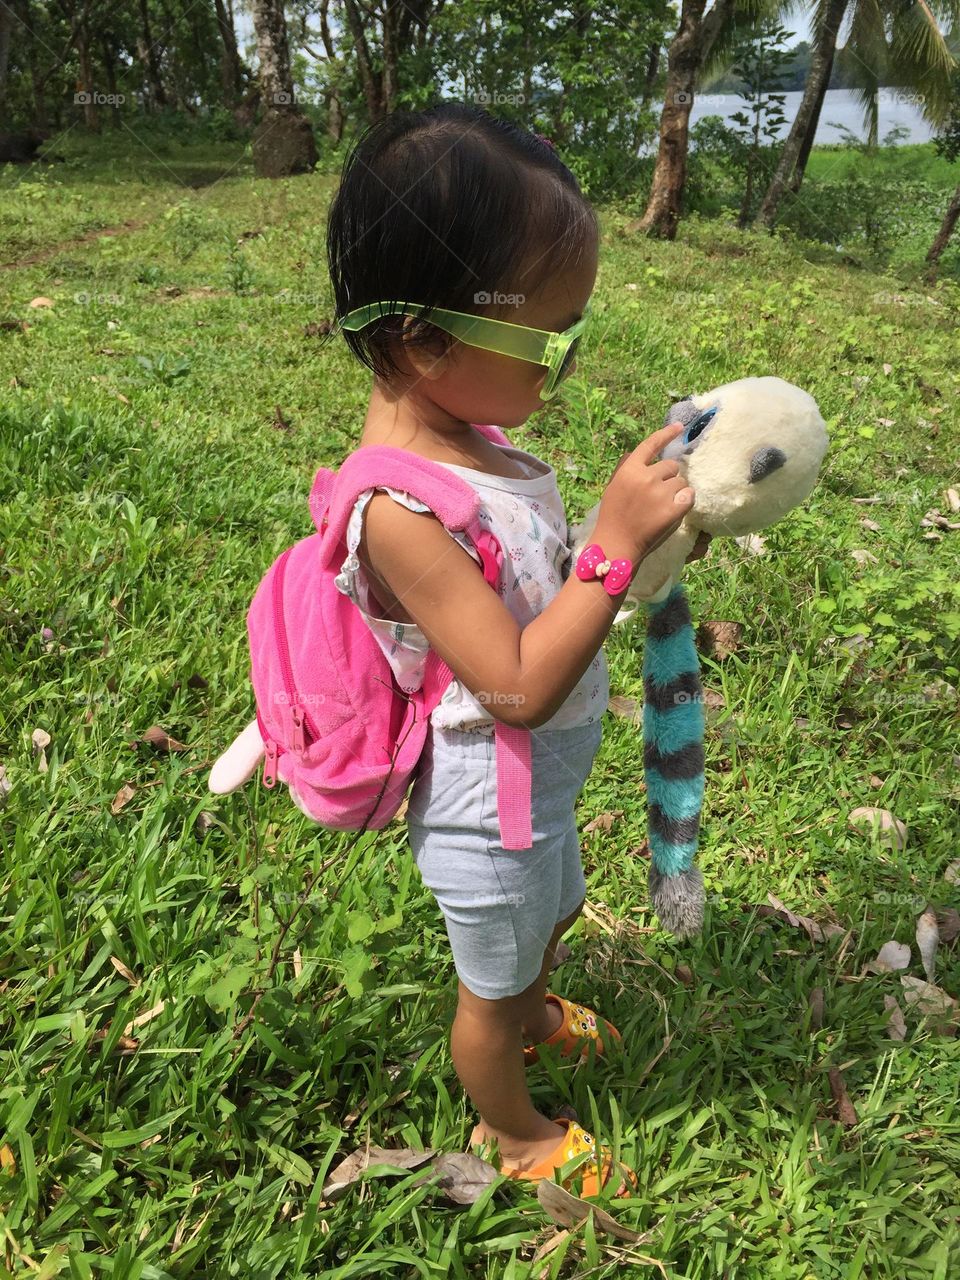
{"type": "Point", "coordinates": [523, 676]}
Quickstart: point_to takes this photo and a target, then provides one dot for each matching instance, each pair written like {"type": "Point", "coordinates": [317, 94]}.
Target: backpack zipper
{"type": "Point", "coordinates": [298, 714]}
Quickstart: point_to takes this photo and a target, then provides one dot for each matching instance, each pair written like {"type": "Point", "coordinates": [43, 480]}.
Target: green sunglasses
{"type": "Point", "coordinates": [539, 346]}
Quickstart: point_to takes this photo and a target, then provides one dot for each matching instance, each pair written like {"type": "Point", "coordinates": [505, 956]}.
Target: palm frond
{"type": "Point", "coordinates": [920, 59]}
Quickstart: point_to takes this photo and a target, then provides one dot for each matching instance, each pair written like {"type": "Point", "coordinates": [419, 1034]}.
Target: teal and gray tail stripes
{"type": "Point", "coordinates": [673, 733]}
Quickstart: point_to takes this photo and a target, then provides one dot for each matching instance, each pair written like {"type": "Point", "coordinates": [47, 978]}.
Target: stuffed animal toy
{"type": "Point", "coordinates": [751, 450]}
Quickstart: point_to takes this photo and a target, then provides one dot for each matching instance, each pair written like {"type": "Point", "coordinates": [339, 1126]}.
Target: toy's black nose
{"type": "Point", "coordinates": [765, 461]}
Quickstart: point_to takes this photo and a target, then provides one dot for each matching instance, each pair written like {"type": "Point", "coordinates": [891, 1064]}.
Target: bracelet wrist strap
{"type": "Point", "coordinates": [593, 563]}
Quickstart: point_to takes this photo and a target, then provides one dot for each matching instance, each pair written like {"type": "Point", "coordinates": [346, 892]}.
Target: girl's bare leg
{"type": "Point", "coordinates": [487, 1049]}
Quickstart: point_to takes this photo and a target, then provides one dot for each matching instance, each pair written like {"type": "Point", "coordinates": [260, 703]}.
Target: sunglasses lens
{"type": "Point", "coordinates": [568, 358]}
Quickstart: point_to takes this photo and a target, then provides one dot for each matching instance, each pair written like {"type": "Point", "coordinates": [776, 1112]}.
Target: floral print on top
{"type": "Point", "coordinates": [528, 519]}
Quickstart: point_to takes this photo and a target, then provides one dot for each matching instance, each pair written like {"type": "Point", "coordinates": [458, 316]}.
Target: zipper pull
{"type": "Point", "coordinates": [297, 715]}
{"type": "Point", "coordinates": [270, 765]}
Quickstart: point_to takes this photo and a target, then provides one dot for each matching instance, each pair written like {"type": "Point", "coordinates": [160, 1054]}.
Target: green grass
{"type": "Point", "coordinates": [145, 491]}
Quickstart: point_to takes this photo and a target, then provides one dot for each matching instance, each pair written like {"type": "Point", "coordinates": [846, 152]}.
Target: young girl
{"type": "Point", "coordinates": [446, 215]}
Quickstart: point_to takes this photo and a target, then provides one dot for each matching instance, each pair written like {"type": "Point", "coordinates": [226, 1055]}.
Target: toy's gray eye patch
{"type": "Point", "coordinates": [683, 411]}
{"type": "Point", "coordinates": [765, 461]}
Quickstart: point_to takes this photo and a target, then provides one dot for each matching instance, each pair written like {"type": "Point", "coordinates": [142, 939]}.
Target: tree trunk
{"type": "Point", "coordinates": [390, 54]}
{"type": "Point", "coordinates": [811, 132]}
{"type": "Point", "coordinates": [6, 26]}
{"type": "Point", "coordinates": [108, 53]}
{"type": "Point", "coordinates": [147, 53]}
{"type": "Point", "coordinates": [943, 235]}
{"type": "Point", "coordinates": [688, 51]}
{"type": "Point", "coordinates": [88, 89]}
{"type": "Point", "coordinates": [819, 74]}
{"type": "Point", "coordinates": [650, 79]}
{"type": "Point", "coordinates": [231, 73]}
{"type": "Point", "coordinates": [283, 142]}
{"type": "Point", "coordinates": [368, 78]}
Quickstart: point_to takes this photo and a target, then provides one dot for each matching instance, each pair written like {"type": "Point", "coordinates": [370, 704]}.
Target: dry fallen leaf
{"type": "Point", "coordinates": [869, 524]}
{"type": "Point", "coordinates": [159, 738]}
{"type": "Point", "coordinates": [8, 1162]}
{"type": "Point", "coordinates": [570, 1211]}
{"type": "Point", "coordinates": [896, 1027]}
{"type": "Point", "coordinates": [349, 1170]}
{"type": "Point", "coordinates": [203, 822]}
{"type": "Point", "coordinates": [815, 1003]}
{"type": "Point", "coordinates": [892, 957]}
{"type": "Point", "coordinates": [627, 707]}
{"type": "Point", "coordinates": [718, 639]}
{"type": "Point", "coordinates": [928, 939]}
{"type": "Point", "coordinates": [124, 972]}
{"type": "Point", "coordinates": [123, 796]}
{"type": "Point", "coordinates": [864, 557]}
{"type": "Point", "coordinates": [464, 1176]}
{"type": "Point", "coordinates": [40, 302]}
{"type": "Point", "coordinates": [948, 923]}
{"type": "Point", "coordinates": [846, 1112]}
{"type": "Point", "coordinates": [815, 931]}
{"type": "Point", "coordinates": [752, 543]}
{"type": "Point", "coordinates": [932, 1002]}
{"type": "Point", "coordinates": [603, 821]}
{"type": "Point", "coordinates": [890, 831]}
{"type": "Point", "coordinates": [40, 739]}
{"type": "Point", "coordinates": [5, 786]}
{"type": "Point", "coordinates": [952, 873]}
{"type": "Point", "coordinates": [953, 500]}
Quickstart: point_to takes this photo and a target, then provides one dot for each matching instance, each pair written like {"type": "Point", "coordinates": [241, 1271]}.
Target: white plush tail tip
{"type": "Point", "coordinates": [238, 763]}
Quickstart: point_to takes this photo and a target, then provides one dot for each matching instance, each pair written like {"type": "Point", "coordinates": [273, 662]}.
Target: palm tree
{"type": "Point", "coordinates": [893, 41]}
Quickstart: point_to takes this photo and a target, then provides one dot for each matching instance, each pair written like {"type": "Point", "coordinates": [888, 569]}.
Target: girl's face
{"type": "Point", "coordinates": [472, 385]}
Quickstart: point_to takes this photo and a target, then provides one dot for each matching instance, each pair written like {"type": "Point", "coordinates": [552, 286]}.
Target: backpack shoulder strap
{"type": "Point", "coordinates": [451, 499]}
{"type": "Point", "coordinates": [492, 433]}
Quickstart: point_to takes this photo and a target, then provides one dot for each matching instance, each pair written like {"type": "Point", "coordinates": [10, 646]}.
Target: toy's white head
{"type": "Point", "coordinates": [751, 451]}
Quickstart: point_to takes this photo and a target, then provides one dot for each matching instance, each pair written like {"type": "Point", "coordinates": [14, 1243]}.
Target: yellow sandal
{"type": "Point", "coordinates": [591, 1178]}
{"type": "Point", "coordinates": [578, 1026]}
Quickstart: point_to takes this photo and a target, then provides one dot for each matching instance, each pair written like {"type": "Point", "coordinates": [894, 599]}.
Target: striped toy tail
{"type": "Point", "coordinates": [673, 733]}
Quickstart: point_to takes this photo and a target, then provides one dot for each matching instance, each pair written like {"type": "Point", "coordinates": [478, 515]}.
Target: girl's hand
{"type": "Point", "coordinates": [702, 544]}
{"type": "Point", "coordinates": [700, 547]}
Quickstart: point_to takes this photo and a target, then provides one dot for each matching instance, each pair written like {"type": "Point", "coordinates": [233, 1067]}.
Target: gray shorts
{"type": "Point", "coordinates": [500, 905]}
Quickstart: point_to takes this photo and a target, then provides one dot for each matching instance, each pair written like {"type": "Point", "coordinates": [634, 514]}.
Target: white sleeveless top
{"type": "Point", "coordinates": [528, 519]}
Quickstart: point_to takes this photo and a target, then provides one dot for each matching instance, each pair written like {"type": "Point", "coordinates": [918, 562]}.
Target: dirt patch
{"type": "Point", "coordinates": [171, 292]}
{"type": "Point", "coordinates": [123, 229]}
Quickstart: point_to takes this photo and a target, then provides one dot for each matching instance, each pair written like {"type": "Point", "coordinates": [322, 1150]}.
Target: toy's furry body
{"type": "Point", "coordinates": [751, 451]}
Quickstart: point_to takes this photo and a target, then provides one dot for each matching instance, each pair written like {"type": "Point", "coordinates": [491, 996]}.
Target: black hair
{"type": "Point", "coordinates": [443, 207]}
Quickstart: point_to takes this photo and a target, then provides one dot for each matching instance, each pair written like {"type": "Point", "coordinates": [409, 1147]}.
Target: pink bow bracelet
{"type": "Point", "coordinates": [593, 563]}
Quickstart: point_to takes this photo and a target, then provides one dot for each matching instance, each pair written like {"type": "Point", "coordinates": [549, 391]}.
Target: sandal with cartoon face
{"type": "Point", "coordinates": [578, 1027]}
{"type": "Point", "coordinates": [592, 1177]}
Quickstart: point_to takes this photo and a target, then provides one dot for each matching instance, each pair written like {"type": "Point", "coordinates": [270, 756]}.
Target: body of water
{"type": "Point", "coordinates": [840, 106]}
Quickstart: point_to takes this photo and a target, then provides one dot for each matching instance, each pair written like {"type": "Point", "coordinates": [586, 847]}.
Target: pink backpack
{"type": "Point", "coordinates": [334, 724]}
